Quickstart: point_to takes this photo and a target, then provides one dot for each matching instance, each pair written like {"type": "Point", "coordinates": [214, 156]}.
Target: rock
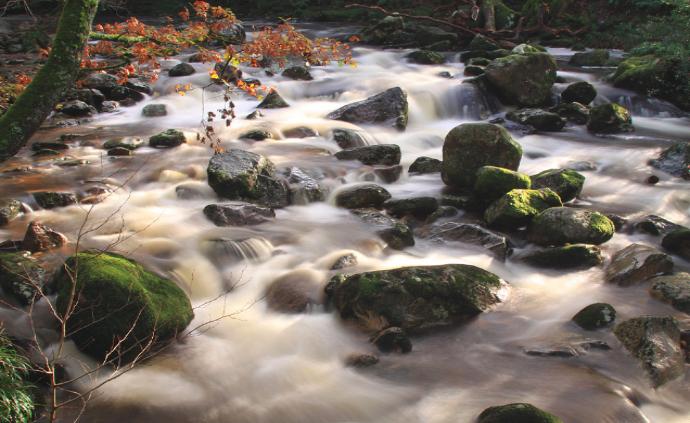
{"type": "Point", "coordinates": [51, 200]}
{"type": "Point", "coordinates": [362, 196]}
{"type": "Point", "coordinates": [232, 34]}
{"type": "Point", "coordinates": [225, 251]}
{"type": "Point", "coordinates": [139, 86]}
{"type": "Point", "coordinates": [257, 134]}
{"type": "Point", "coordinates": [295, 292]}
{"type": "Point", "coordinates": [298, 72]}
{"type": "Point", "coordinates": [678, 242]}
{"type": "Point", "coordinates": [540, 119]}
{"type": "Point", "coordinates": [469, 233]}
{"type": "Point", "coordinates": [119, 152]}
{"type": "Point", "coordinates": [494, 182]}
{"type": "Point", "coordinates": [238, 214]}
{"type": "Point", "coordinates": [9, 210]}
{"type": "Point", "coordinates": [518, 207]}
{"type": "Point", "coordinates": [388, 174]}
{"type": "Point", "coordinates": [46, 152]}
{"type": "Point", "coordinates": [481, 42]}
{"type": "Point", "coordinates": [565, 182]}
{"type": "Point", "coordinates": [656, 225]}
{"type": "Point", "coordinates": [579, 92]}
{"type": "Point", "coordinates": [523, 80]}
{"type": "Point", "coordinates": [567, 348]}
{"type": "Point", "coordinates": [655, 341]}
{"type": "Point", "coordinates": [361, 360]}
{"type": "Point", "coordinates": [20, 275]}
{"type": "Point", "coordinates": [273, 100]}
{"type": "Point", "coordinates": [241, 175]}
{"type": "Point", "coordinates": [610, 118]}
{"type": "Point", "coordinates": [125, 96]}
{"type": "Point", "coordinates": [479, 61]}
{"type": "Point", "coordinates": [130, 143]}
{"type": "Point", "coordinates": [119, 300]}
{"type": "Point", "coordinates": [565, 225]}
{"type": "Point", "coordinates": [395, 234]}
{"type": "Point", "coordinates": [192, 191]}
{"type": "Point", "coordinates": [167, 139]}
{"type": "Point", "coordinates": [619, 222]}
{"type": "Point", "coordinates": [40, 238]}
{"type": "Point", "coordinates": [386, 108]}
{"type": "Point", "coordinates": [674, 160]}
{"type": "Point", "coordinates": [416, 298]}
{"type": "Point", "coordinates": [181, 69]}
{"type": "Point", "coordinates": [426, 57]}
{"type": "Point", "coordinates": [527, 49]}
{"type": "Point", "coordinates": [424, 165]}
{"type": "Point", "coordinates": [347, 138]}
{"type": "Point", "coordinates": [77, 108]}
{"type": "Point", "coordinates": [597, 57]}
{"type": "Point", "coordinates": [419, 207]}
{"type": "Point", "coordinates": [51, 145]}
{"type": "Point", "coordinates": [637, 263]}
{"type": "Point", "coordinates": [227, 72]}
{"type": "Point", "coordinates": [469, 146]}
{"type": "Point", "coordinates": [348, 260]}
{"type": "Point", "coordinates": [473, 70]}
{"type": "Point", "coordinates": [575, 256]}
{"type": "Point", "coordinates": [154, 110]}
{"type": "Point", "coordinates": [304, 189]}
{"type": "Point", "coordinates": [392, 339]}
{"type": "Point", "coordinates": [379, 154]}
{"type": "Point", "coordinates": [673, 289]}
{"type": "Point", "coordinates": [103, 82]}
{"type": "Point", "coordinates": [110, 106]}
{"type": "Point", "coordinates": [654, 76]}
{"type": "Point", "coordinates": [516, 413]}
{"type": "Point", "coordinates": [89, 96]}
{"type": "Point", "coordinates": [300, 132]}
{"type": "Point", "coordinates": [573, 112]}
{"type": "Point", "coordinates": [256, 114]}
{"type": "Point", "coordinates": [595, 316]}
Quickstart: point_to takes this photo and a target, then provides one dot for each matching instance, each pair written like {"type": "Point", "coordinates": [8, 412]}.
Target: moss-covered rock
{"type": "Point", "coordinates": [362, 196]}
{"type": "Point", "coordinates": [576, 113]}
{"type": "Point", "coordinates": [540, 119]}
{"type": "Point", "coordinates": [154, 110]}
{"type": "Point", "coordinates": [426, 57]}
{"type": "Point", "coordinates": [379, 154]}
{"type": "Point", "coordinates": [565, 225]}
{"type": "Point", "coordinates": [654, 76]}
{"type": "Point", "coordinates": [470, 146]}
{"type": "Point", "coordinates": [415, 298]}
{"type": "Point", "coordinates": [575, 256]}
{"type": "Point", "coordinates": [395, 234]}
{"type": "Point", "coordinates": [579, 92]}
{"type": "Point", "coordinates": [516, 413]}
{"type": "Point", "coordinates": [610, 118]}
{"type": "Point", "coordinates": [675, 160]}
{"type": "Point", "coordinates": [565, 182]}
{"type": "Point", "coordinates": [130, 143]}
{"type": "Point", "coordinates": [299, 73]}
{"type": "Point", "coordinates": [273, 100]}
{"type": "Point", "coordinates": [517, 207]}
{"type": "Point", "coordinates": [167, 139]}
{"type": "Point", "coordinates": [595, 316]}
{"type": "Point", "coordinates": [481, 42]}
{"type": "Point", "coordinates": [637, 263]}
{"type": "Point", "coordinates": [523, 79]}
{"type": "Point", "coordinates": [678, 242]}
{"type": "Point", "coordinates": [9, 210]}
{"type": "Point", "coordinates": [119, 301]}
{"type": "Point", "coordinates": [597, 57]}
{"type": "Point", "coordinates": [673, 289]}
{"type": "Point", "coordinates": [423, 165]}
{"type": "Point", "coordinates": [51, 200]}
{"type": "Point", "coordinates": [387, 108]}
{"type": "Point", "coordinates": [20, 274]}
{"type": "Point", "coordinates": [494, 182]}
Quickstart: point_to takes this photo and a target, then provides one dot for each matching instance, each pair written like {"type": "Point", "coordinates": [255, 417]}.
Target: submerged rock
{"type": "Point", "coordinates": [238, 214]}
{"type": "Point", "coordinates": [426, 57]}
{"type": "Point", "coordinates": [678, 242]}
{"type": "Point", "coordinates": [518, 207]}
{"type": "Point", "coordinates": [379, 154]}
{"type": "Point", "coordinates": [51, 200]}
{"type": "Point", "coordinates": [565, 225]}
{"type": "Point", "coordinates": [387, 108]}
{"type": "Point", "coordinates": [516, 413]}
{"type": "Point", "coordinates": [574, 256]}
{"type": "Point", "coordinates": [472, 234]}
{"type": "Point", "coordinates": [361, 360]}
{"type": "Point", "coordinates": [392, 340]}
{"type": "Point", "coordinates": [295, 292]}
{"type": "Point", "coordinates": [637, 263]}
{"type": "Point", "coordinates": [494, 182]}
{"type": "Point", "coordinates": [20, 276]}
{"type": "Point", "coordinates": [595, 316]}
{"type": "Point", "coordinates": [304, 188]}
{"type": "Point", "coordinates": [673, 289]}
{"type": "Point", "coordinates": [9, 210]}
{"type": "Point", "coordinates": [300, 132]}
{"type": "Point", "coordinates": [362, 196]}
{"type": "Point", "coordinates": [167, 139]}
{"type": "Point", "coordinates": [419, 207]}
{"type": "Point", "coordinates": [610, 118]}
{"type": "Point", "coordinates": [424, 165]}
{"type": "Point", "coordinates": [540, 119]}
{"type": "Point", "coordinates": [674, 160]}
{"type": "Point", "coordinates": [523, 79]}
{"type": "Point", "coordinates": [572, 112]}
{"type": "Point", "coordinates": [395, 234]}
{"type": "Point", "coordinates": [579, 92]}
{"type": "Point", "coordinates": [565, 182]}
{"type": "Point", "coordinates": [597, 57]}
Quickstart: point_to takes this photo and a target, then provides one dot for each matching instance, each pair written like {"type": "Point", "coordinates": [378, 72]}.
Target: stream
{"type": "Point", "coordinates": [260, 366]}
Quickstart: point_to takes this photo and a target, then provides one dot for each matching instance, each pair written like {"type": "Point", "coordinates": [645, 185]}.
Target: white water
{"type": "Point", "coordinates": [263, 366]}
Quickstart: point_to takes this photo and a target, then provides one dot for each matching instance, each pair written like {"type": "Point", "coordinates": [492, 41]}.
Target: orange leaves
{"type": "Point", "coordinates": [354, 39]}
{"type": "Point", "coordinates": [184, 14]}
{"type": "Point", "coordinates": [124, 73]}
{"type": "Point", "coordinates": [183, 89]}
{"type": "Point", "coordinates": [22, 79]}
{"type": "Point", "coordinates": [201, 8]}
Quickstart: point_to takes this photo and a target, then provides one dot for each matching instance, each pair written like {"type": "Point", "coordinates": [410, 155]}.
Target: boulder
{"type": "Point", "coordinates": [304, 188]}
{"type": "Point", "coordinates": [300, 73]}
{"type": "Point", "coordinates": [347, 138]}
{"type": "Point", "coordinates": [181, 69]}
{"type": "Point", "coordinates": [395, 234]}
{"type": "Point", "coordinates": [167, 139]}
{"type": "Point", "coordinates": [379, 154]}
{"type": "Point", "coordinates": [565, 225]}
{"type": "Point", "coordinates": [40, 238]}
{"type": "Point", "coordinates": [119, 302]}
{"type": "Point", "coordinates": [472, 234]}
{"type": "Point", "coordinates": [565, 182]}
{"type": "Point", "coordinates": [572, 112]}
{"type": "Point", "coordinates": [102, 82]}
{"type": "Point", "coordinates": [130, 143]}
{"type": "Point", "coordinates": [256, 134]}
{"type": "Point", "coordinates": [295, 292]}
{"type": "Point", "coordinates": [469, 146]}
{"type": "Point", "coordinates": [597, 57]}
{"type": "Point", "coordinates": [540, 119]}
{"type": "Point", "coordinates": [636, 263]}
{"type": "Point", "coordinates": [154, 110]}
{"type": "Point", "coordinates": [673, 289]}
{"type": "Point", "coordinates": [426, 57]}
{"type": "Point", "coordinates": [675, 160]}
{"type": "Point", "coordinates": [655, 342]}
{"type": "Point", "coordinates": [523, 79]}
{"type": "Point", "coordinates": [610, 118]}
{"type": "Point", "coordinates": [238, 214]}
{"type": "Point", "coordinates": [575, 256]}
{"type": "Point", "coordinates": [482, 43]}
{"type": "Point", "coordinates": [494, 182]}
{"type": "Point", "coordinates": [595, 316]}
{"type": "Point", "coordinates": [419, 207]}
{"type": "Point", "coordinates": [655, 76]}
{"type": "Point", "coordinates": [518, 207]}
{"type": "Point", "coordinates": [656, 225]}
{"type": "Point", "coordinates": [20, 275]}
{"type": "Point", "coordinates": [516, 413]}
{"type": "Point", "coordinates": [392, 339]}
{"type": "Point", "coordinates": [416, 298]}
{"type": "Point", "coordinates": [361, 360]}
{"type": "Point", "coordinates": [273, 100]}
{"type": "Point", "coordinates": [120, 152]}
{"type": "Point", "coordinates": [77, 108]}
{"type": "Point", "coordinates": [300, 132]}
{"type": "Point", "coordinates": [9, 210]}
{"type": "Point", "coordinates": [386, 108]}
{"type": "Point", "coordinates": [362, 196]}
{"type": "Point", "coordinates": [51, 200]}
{"type": "Point", "coordinates": [678, 242]}
{"type": "Point", "coordinates": [424, 165]}
{"type": "Point", "coordinates": [139, 86]}
{"type": "Point", "coordinates": [579, 92]}
{"type": "Point", "coordinates": [388, 174]}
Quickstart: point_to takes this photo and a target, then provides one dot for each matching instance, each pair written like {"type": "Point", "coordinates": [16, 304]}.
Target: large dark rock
{"type": "Point", "coordinates": [678, 242]}
{"type": "Point", "coordinates": [394, 233]}
{"type": "Point", "coordinates": [386, 108]}
{"type": "Point", "coordinates": [494, 182]}
{"type": "Point", "coordinates": [655, 76]}
{"type": "Point", "coordinates": [379, 154]}
{"type": "Point", "coordinates": [9, 210]}
{"type": "Point", "coordinates": [523, 79]}
{"type": "Point", "coordinates": [673, 289]}
{"type": "Point", "coordinates": [469, 233]}
{"type": "Point", "coordinates": [77, 108]}
{"type": "Point", "coordinates": [20, 276]}
{"type": "Point", "coordinates": [575, 256]}
{"type": "Point", "coordinates": [154, 110]}
{"type": "Point", "coordinates": [362, 196]}
{"type": "Point", "coordinates": [590, 58]}
{"type": "Point", "coordinates": [273, 100]}
{"type": "Point", "coordinates": [424, 165]}
{"type": "Point", "coordinates": [595, 316]}
{"type": "Point", "coordinates": [579, 92]}
{"type": "Point", "coordinates": [347, 138]}
{"type": "Point", "coordinates": [675, 160]}
{"type": "Point", "coordinates": [232, 34]}
{"type": "Point", "coordinates": [167, 139]}
{"type": "Point", "coordinates": [518, 207]}
{"type": "Point", "coordinates": [610, 118]}
{"type": "Point", "coordinates": [298, 72]}
{"type": "Point", "coordinates": [181, 69]}
{"type": "Point", "coordinates": [102, 82]}
{"type": "Point", "coordinates": [540, 119]}
{"type": "Point", "coordinates": [419, 207]}
{"type": "Point", "coordinates": [656, 225]}
{"type": "Point", "coordinates": [566, 183]}
{"type": "Point", "coordinates": [295, 292]}
{"type": "Point", "coordinates": [51, 200]}
{"type": "Point", "coordinates": [426, 57]}
{"type": "Point", "coordinates": [637, 263]}
{"type": "Point", "coordinates": [238, 214]}
{"type": "Point", "coordinates": [416, 298]}
{"type": "Point", "coordinates": [39, 238]}
{"type": "Point", "coordinates": [516, 413]}
{"type": "Point", "coordinates": [565, 225]}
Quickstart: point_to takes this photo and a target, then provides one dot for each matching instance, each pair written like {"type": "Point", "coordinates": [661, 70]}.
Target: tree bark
{"type": "Point", "coordinates": [58, 74]}
{"type": "Point", "coordinates": [489, 12]}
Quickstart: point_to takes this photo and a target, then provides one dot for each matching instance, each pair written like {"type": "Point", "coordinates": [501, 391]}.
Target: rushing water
{"type": "Point", "coordinates": [263, 366]}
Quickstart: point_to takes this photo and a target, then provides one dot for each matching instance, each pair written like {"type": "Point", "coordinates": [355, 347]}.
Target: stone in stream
{"type": "Point", "coordinates": [395, 234]}
{"type": "Point", "coordinates": [654, 76]}
{"type": "Point", "coordinates": [673, 289]}
{"type": "Point", "coordinates": [231, 34]}
{"type": "Point", "coordinates": [564, 182]}
{"type": "Point", "coordinates": [295, 292]}
{"type": "Point", "coordinates": [77, 108]}
{"type": "Point", "coordinates": [416, 298]}
{"type": "Point", "coordinates": [130, 143]}
{"type": "Point", "coordinates": [40, 238]}
{"type": "Point", "coordinates": [423, 165]}
{"type": "Point", "coordinates": [598, 57]}
{"type": "Point", "coordinates": [227, 72]}
{"type": "Point", "coordinates": [516, 413]}
{"type": "Point", "coordinates": [119, 301]}
{"type": "Point", "coordinates": [348, 260]}
{"type": "Point", "coordinates": [540, 119]}
{"type": "Point", "coordinates": [298, 72]}
{"type": "Point", "coordinates": [579, 92]}
{"type": "Point", "coordinates": [139, 86]}
{"type": "Point", "coordinates": [388, 174]}
{"type": "Point", "coordinates": [637, 263]}
{"type": "Point", "coordinates": [167, 139]}
{"type": "Point", "coordinates": [300, 132]}
{"type": "Point", "coordinates": [273, 100]}
{"type": "Point", "coordinates": [109, 106]}
{"type": "Point", "coordinates": [610, 118]}
{"type": "Point", "coordinates": [419, 207]}
{"type": "Point", "coordinates": [469, 146]}
{"type": "Point", "coordinates": [362, 196]}
{"type": "Point", "coordinates": [675, 160]}
{"type": "Point", "coordinates": [469, 233]}
{"type": "Point", "coordinates": [51, 145]}
{"type": "Point", "coordinates": [154, 110]}
{"type": "Point", "coordinates": [9, 210]}
{"type": "Point", "coordinates": [656, 225]}
{"type": "Point", "coordinates": [572, 112]}
{"type": "Point", "coordinates": [20, 275]}
{"type": "Point", "coordinates": [566, 348]}
{"type": "Point", "coordinates": [119, 152]}
{"type": "Point", "coordinates": [655, 342]}
{"type": "Point", "coordinates": [379, 154]}
{"type": "Point", "coordinates": [386, 108]}
{"type": "Point", "coordinates": [494, 182]}
{"type": "Point", "coordinates": [361, 360]}
{"type": "Point", "coordinates": [51, 200]}
{"type": "Point", "coordinates": [181, 69]}
{"type": "Point", "coordinates": [256, 134]}
{"type": "Point", "coordinates": [238, 214]}
{"type": "Point", "coordinates": [347, 138]}
{"type": "Point", "coordinates": [304, 188]}
{"type": "Point", "coordinates": [574, 256]}
{"type": "Point", "coordinates": [482, 43]}
{"type": "Point", "coordinates": [523, 79]}
{"type": "Point", "coordinates": [565, 225]}
{"type": "Point", "coordinates": [102, 82]}
{"type": "Point", "coordinates": [393, 339]}
{"type": "Point", "coordinates": [595, 316]}
{"type": "Point", "coordinates": [426, 57]}
{"type": "Point", "coordinates": [518, 207]}
{"type": "Point", "coordinates": [473, 70]}
{"type": "Point", "coordinates": [678, 242]}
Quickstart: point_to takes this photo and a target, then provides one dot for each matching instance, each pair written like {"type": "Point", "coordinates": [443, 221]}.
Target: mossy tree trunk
{"type": "Point", "coordinates": [489, 12]}
{"type": "Point", "coordinates": [58, 74]}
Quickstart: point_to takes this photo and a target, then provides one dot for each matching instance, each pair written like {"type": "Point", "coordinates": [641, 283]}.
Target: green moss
{"type": "Point", "coordinates": [493, 182]}
{"type": "Point", "coordinates": [16, 398]}
{"type": "Point", "coordinates": [517, 208]}
{"type": "Point", "coordinates": [516, 413]}
{"type": "Point", "coordinates": [655, 76]}
{"type": "Point", "coordinates": [565, 225]}
{"type": "Point", "coordinates": [566, 183]}
{"type": "Point", "coordinates": [610, 118]}
{"type": "Point", "coordinates": [567, 257]}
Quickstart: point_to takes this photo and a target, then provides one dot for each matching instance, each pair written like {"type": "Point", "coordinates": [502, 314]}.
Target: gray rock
{"type": "Point", "coordinates": [154, 110]}
{"type": "Point", "coordinates": [595, 316]}
{"type": "Point", "coordinates": [362, 196]}
{"type": "Point", "coordinates": [674, 160]}
{"type": "Point", "coordinates": [610, 118]}
{"type": "Point", "coordinates": [273, 100]}
{"type": "Point", "coordinates": [597, 57]}
{"type": "Point", "coordinates": [9, 210]}
{"type": "Point", "coordinates": [565, 225]}
{"type": "Point", "coordinates": [523, 79]}
{"type": "Point", "coordinates": [392, 340]}
{"type": "Point", "coordinates": [673, 289]}
{"type": "Point", "coordinates": [347, 138]}
{"type": "Point", "coordinates": [300, 132]}
{"type": "Point", "coordinates": [469, 233]}
{"type": "Point", "coordinates": [295, 292]}
{"type": "Point", "coordinates": [637, 263]}
{"type": "Point", "coordinates": [572, 112]}
{"type": "Point", "coordinates": [540, 119]}
{"type": "Point", "coordinates": [130, 143]}
{"type": "Point", "coordinates": [579, 92]}
{"type": "Point", "coordinates": [656, 225]}
{"type": "Point", "coordinates": [419, 207]}
{"type": "Point", "coordinates": [395, 234]}
{"type": "Point", "coordinates": [238, 214]}
{"type": "Point", "coordinates": [424, 165]}
{"type": "Point", "coordinates": [386, 108]}
{"type": "Point", "coordinates": [20, 275]}
{"type": "Point", "coordinates": [304, 188]}
{"type": "Point", "coordinates": [77, 108]}
{"type": "Point", "coordinates": [379, 154]}
{"type": "Point", "coordinates": [574, 256]}
{"type": "Point", "coordinates": [566, 183]}
{"type": "Point", "coordinates": [678, 242]}
{"type": "Point", "coordinates": [257, 134]}
{"type": "Point", "coordinates": [167, 139]}
{"type": "Point", "coordinates": [181, 69]}
{"type": "Point", "coordinates": [300, 73]}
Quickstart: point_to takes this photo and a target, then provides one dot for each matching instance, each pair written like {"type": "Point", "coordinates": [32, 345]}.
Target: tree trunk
{"type": "Point", "coordinates": [489, 12]}
{"type": "Point", "coordinates": [58, 74]}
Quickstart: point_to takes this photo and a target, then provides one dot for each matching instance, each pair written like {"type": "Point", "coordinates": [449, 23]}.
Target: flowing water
{"type": "Point", "coordinates": [262, 366]}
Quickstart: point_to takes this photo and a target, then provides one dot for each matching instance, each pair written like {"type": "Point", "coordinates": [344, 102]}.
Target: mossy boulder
{"type": "Point", "coordinates": [540, 119]}
{"type": "Point", "coordinates": [565, 225]}
{"type": "Point", "coordinates": [610, 118]}
{"type": "Point", "coordinates": [494, 182]}
{"type": "Point", "coordinates": [470, 146]}
{"type": "Point", "coordinates": [673, 289]}
{"type": "Point", "coordinates": [167, 139]}
{"type": "Point", "coordinates": [579, 92]}
{"type": "Point", "coordinates": [386, 108]}
{"type": "Point", "coordinates": [516, 413]}
{"type": "Point", "coordinates": [395, 234]}
{"type": "Point", "coordinates": [523, 79]}
{"type": "Point", "coordinates": [9, 210]}
{"type": "Point", "coordinates": [273, 100]}
{"type": "Point", "coordinates": [20, 274]}
{"type": "Point", "coordinates": [597, 57]}
{"type": "Point", "coordinates": [424, 165]}
{"type": "Point", "coordinates": [675, 160]}
{"type": "Point", "coordinates": [416, 298]}
{"type": "Point", "coordinates": [637, 263]}
{"type": "Point", "coordinates": [517, 207]}
{"type": "Point", "coordinates": [575, 256]}
{"type": "Point", "coordinates": [566, 183]}
{"type": "Point", "coordinates": [119, 301]}
{"type": "Point", "coordinates": [678, 242]}
{"type": "Point", "coordinates": [426, 57]}
{"type": "Point", "coordinates": [300, 73]}
{"type": "Point", "coordinates": [655, 76]}
{"type": "Point", "coordinates": [595, 316]}
{"type": "Point", "coordinates": [379, 154]}
{"type": "Point", "coordinates": [362, 196]}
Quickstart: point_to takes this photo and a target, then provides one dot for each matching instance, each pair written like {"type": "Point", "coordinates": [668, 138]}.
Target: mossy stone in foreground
{"type": "Point", "coordinates": [516, 413]}
{"type": "Point", "coordinates": [565, 225]}
{"type": "Point", "coordinates": [565, 182]}
{"type": "Point", "coordinates": [595, 316]}
{"type": "Point", "coordinates": [517, 208]}
{"type": "Point", "coordinates": [655, 76]}
{"type": "Point", "coordinates": [610, 118]}
{"type": "Point", "coordinates": [493, 182]}
{"type": "Point", "coordinates": [566, 257]}
{"type": "Point", "coordinates": [116, 294]}
{"type": "Point", "coordinates": [167, 139]}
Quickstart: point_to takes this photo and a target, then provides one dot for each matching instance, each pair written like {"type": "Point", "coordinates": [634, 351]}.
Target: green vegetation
{"type": "Point", "coordinates": [16, 401]}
